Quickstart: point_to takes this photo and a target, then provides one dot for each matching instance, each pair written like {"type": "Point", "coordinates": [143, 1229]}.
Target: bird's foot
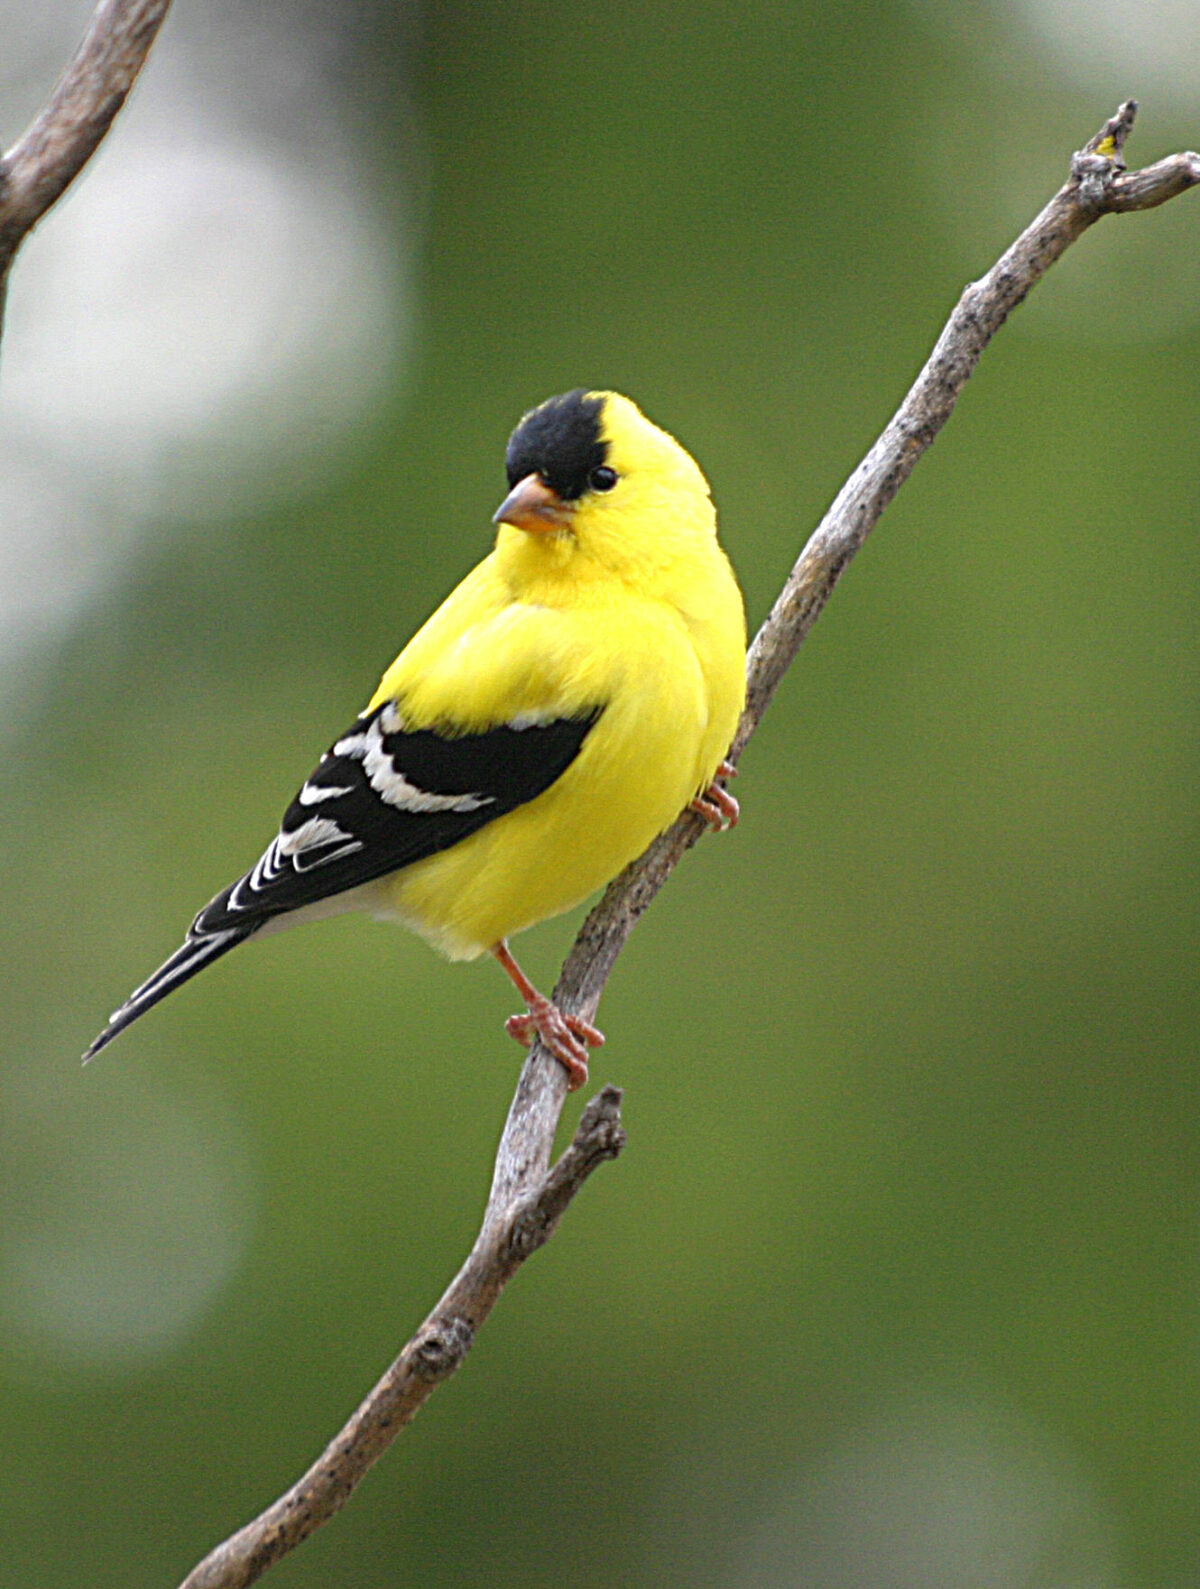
{"type": "Point", "coordinates": [568, 1037]}
{"type": "Point", "coordinates": [716, 805]}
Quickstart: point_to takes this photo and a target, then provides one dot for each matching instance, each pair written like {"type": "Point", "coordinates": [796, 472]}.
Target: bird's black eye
{"type": "Point", "coordinates": [603, 478]}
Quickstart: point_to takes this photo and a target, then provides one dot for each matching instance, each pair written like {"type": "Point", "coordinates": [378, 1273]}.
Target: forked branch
{"type": "Point", "coordinates": [527, 1197]}
{"type": "Point", "coordinates": [1098, 185]}
{"type": "Point", "coordinates": [523, 1209]}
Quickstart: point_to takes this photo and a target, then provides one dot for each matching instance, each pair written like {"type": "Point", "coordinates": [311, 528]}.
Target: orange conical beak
{"type": "Point", "coordinates": [534, 506]}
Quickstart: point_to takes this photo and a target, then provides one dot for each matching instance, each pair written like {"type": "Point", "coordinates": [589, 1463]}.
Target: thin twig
{"type": "Point", "coordinates": [40, 166]}
{"type": "Point", "coordinates": [526, 1198]}
{"type": "Point", "coordinates": [1097, 186]}
{"type": "Point", "coordinates": [523, 1209]}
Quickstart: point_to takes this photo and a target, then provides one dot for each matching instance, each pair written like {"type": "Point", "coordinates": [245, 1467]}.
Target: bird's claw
{"type": "Point", "coordinates": [716, 805]}
{"type": "Point", "coordinates": [568, 1037]}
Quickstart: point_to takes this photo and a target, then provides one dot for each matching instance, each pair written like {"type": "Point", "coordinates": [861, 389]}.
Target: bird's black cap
{"type": "Point", "coordinates": [561, 441]}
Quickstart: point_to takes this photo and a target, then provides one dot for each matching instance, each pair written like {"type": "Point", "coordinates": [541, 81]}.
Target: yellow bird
{"type": "Point", "coordinates": [559, 710]}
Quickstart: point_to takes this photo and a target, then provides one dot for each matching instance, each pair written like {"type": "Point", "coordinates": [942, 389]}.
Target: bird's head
{"type": "Point", "coordinates": [593, 480]}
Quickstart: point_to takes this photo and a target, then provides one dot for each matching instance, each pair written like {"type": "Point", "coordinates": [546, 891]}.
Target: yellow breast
{"type": "Point", "coordinates": [635, 612]}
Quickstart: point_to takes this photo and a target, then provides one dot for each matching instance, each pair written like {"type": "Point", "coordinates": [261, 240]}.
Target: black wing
{"type": "Point", "coordinates": [386, 796]}
{"type": "Point", "coordinates": [383, 797]}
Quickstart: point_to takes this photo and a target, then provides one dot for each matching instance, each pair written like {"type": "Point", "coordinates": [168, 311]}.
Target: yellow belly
{"type": "Point", "coordinates": [669, 675]}
{"type": "Point", "coordinates": [638, 768]}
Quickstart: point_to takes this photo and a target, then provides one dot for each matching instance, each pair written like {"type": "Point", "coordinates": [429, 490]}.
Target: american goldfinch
{"type": "Point", "coordinates": [565, 703]}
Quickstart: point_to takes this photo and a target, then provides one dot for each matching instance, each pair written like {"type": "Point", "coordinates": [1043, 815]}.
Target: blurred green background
{"type": "Point", "coordinates": [896, 1285]}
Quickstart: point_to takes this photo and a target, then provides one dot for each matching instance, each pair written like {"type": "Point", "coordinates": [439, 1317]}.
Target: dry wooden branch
{"type": "Point", "coordinates": [1098, 185]}
{"type": "Point", "coordinates": [527, 1198]}
{"type": "Point", "coordinates": [39, 168]}
{"type": "Point", "coordinates": [524, 1207]}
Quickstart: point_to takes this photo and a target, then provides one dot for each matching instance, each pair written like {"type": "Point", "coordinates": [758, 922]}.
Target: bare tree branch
{"type": "Point", "coordinates": [1097, 186]}
{"type": "Point", "coordinates": [39, 168]}
{"type": "Point", "coordinates": [525, 1205]}
{"type": "Point", "coordinates": [527, 1198]}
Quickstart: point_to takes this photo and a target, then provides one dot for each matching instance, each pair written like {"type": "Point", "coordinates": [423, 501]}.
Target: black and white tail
{"type": "Point", "coordinates": [384, 797]}
{"type": "Point", "coordinates": [197, 951]}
